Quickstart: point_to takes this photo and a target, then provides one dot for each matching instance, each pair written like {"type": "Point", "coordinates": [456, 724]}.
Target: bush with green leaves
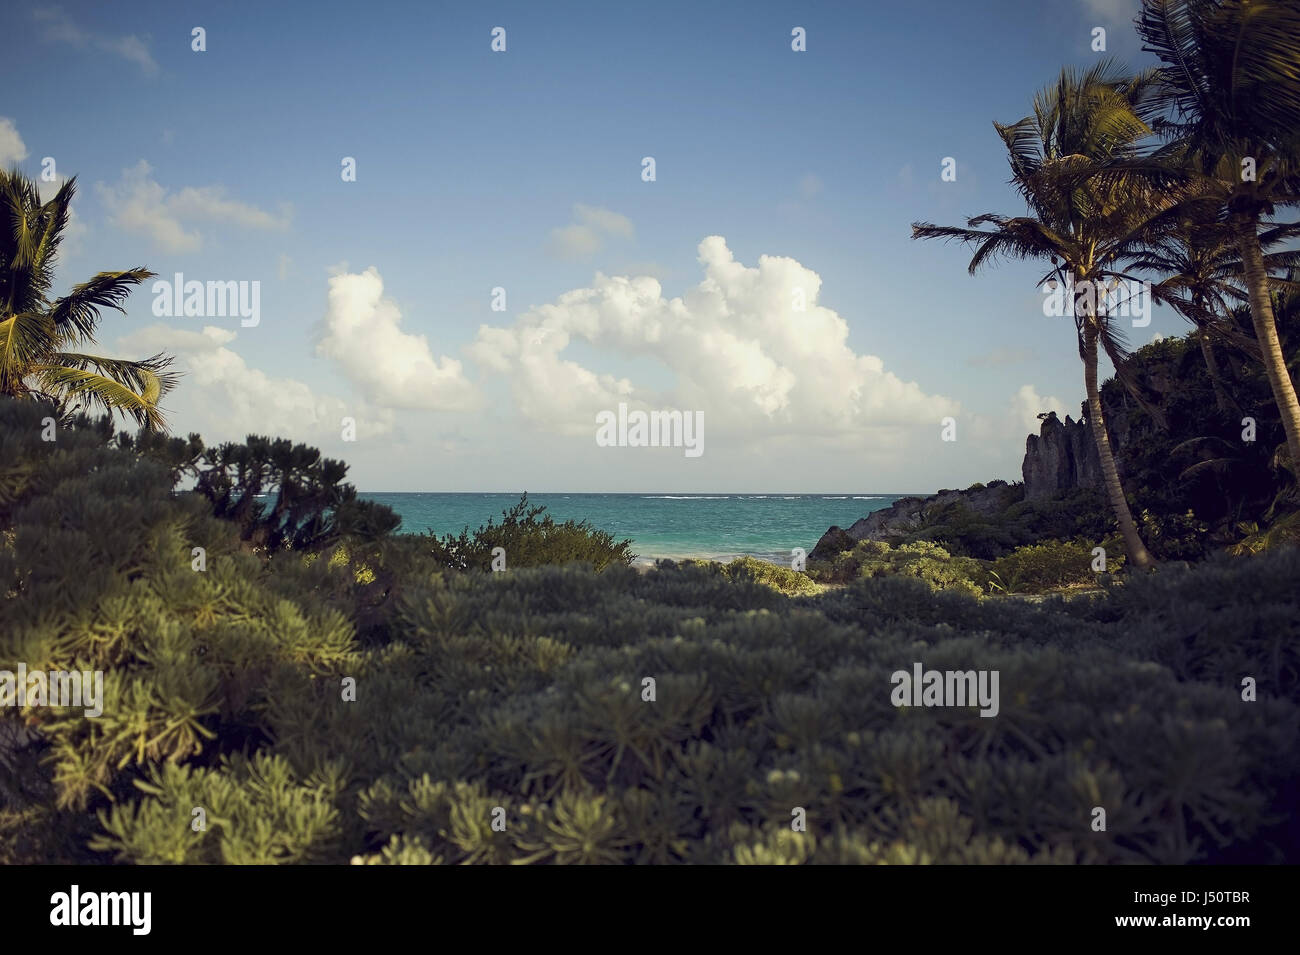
{"type": "Point", "coordinates": [1179, 536]}
{"type": "Point", "coordinates": [1053, 565]}
{"type": "Point", "coordinates": [923, 559]}
{"type": "Point", "coordinates": [248, 689]}
{"type": "Point", "coordinates": [530, 537]}
{"type": "Point", "coordinates": [790, 582]}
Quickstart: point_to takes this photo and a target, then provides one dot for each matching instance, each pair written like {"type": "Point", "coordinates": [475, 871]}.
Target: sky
{"type": "Point", "coordinates": [453, 310]}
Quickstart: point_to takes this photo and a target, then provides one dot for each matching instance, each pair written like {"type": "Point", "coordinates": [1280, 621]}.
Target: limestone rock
{"type": "Point", "coordinates": [1060, 457]}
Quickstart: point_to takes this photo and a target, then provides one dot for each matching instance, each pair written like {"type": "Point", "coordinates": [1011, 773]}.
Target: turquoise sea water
{"type": "Point", "coordinates": [714, 526]}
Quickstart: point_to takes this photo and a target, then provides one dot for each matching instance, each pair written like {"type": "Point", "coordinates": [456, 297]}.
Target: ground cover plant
{"type": "Point", "coordinates": [375, 705]}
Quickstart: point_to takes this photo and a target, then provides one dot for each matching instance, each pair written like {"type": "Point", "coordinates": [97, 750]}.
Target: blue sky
{"type": "Point", "coordinates": [522, 170]}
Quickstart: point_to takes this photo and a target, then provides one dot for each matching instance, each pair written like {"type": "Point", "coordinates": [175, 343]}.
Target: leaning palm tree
{"type": "Point", "coordinates": [1231, 85]}
{"type": "Point", "coordinates": [41, 337]}
{"type": "Point", "coordinates": [1083, 225]}
{"type": "Point", "coordinates": [1204, 277]}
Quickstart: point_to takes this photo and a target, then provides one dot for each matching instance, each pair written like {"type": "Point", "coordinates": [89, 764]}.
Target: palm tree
{"type": "Point", "coordinates": [40, 337]}
{"type": "Point", "coordinates": [1231, 85]}
{"type": "Point", "coordinates": [1201, 262]}
{"type": "Point", "coordinates": [1084, 226]}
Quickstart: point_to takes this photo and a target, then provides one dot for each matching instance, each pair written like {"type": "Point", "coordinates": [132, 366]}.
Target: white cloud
{"type": "Point", "coordinates": [282, 268]}
{"type": "Point", "coordinates": [137, 203]}
{"type": "Point", "coordinates": [588, 232]}
{"type": "Point", "coordinates": [12, 147]}
{"type": "Point", "coordinates": [737, 347]}
{"type": "Point", "coordinates": [224, 399]}
{"type": "Point", "coordinates": [1027, 405]}
{"type": "Point", "coordinates": [393, 368]}
{"type": "Point", "coordinates": [60, 28]}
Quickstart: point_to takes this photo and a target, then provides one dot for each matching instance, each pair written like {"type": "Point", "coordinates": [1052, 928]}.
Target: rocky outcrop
{"type": "Point", "coordinates": [1060, 457]}
{"type": "Point", "coordinates": [907, 513]}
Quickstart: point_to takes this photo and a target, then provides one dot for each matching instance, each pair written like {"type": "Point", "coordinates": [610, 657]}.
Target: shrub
{"type": "Point", "coordinates": [966, 532]}
{"type": "Point", "coordinates": [1175, 536]}
{"type": "Point", "coordinates": [1052, 565]}
{"type": "Point", "coordinates": [529, 540]}
{"type": "Point", "coordinates": [922, 559]}
{"type": "Point", "coordinates": [782, 579]}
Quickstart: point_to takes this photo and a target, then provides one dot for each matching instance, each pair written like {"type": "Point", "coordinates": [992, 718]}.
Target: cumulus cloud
{"type": "Point", "coordinates": [12, 147]}
{"type": "Point", "coordinates": [60, 28]}
{"type": "Point", "coordinates": [138, 203]}
{"type": "Point", "coordinates": [738, 345]}
{"type": "Point", "coordinates": [224, 399]}
{"type": "Point", "coordinates": [1027, 405]}
{"type": "Point", "coordinates": [393, 368]}
{"type": "Point", "coordinates": [588, 232]}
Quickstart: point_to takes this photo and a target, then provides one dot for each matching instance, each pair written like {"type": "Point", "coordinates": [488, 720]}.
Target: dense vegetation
{"type": "Point", "coordinates": [1198, 487]}
{"type": "Point", "coordinates": [1176, 172]}
{"type": "Point", "coordinates": [524, 690]}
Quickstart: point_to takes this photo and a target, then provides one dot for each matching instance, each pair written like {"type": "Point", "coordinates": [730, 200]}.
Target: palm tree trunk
{"type": "Point", "coordinates": [1212, 369]}
{"type": "Point", "coordinates": [1138, 555]}
{"type": "Point", "coordinates": [1261, 314]}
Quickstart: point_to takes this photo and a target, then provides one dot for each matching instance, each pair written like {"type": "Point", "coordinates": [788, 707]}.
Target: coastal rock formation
{"type": "Point", "coordinates": [905, 514]}
{"type": "Point", "coordinates": [1060, 457]}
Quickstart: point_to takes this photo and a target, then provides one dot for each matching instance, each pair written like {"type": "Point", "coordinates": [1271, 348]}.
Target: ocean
{"type": "Point", "coordinates": [712, 526]}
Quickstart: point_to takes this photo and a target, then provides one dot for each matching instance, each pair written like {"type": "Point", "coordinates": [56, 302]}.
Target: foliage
{"type": "Point", "coordinates": [1053, 565]}
{"type": "Point", "coordinates": [1196, 483]}
{"type": "Point", "coordinates": [967, 532]}
{"type": "Point", "coordinates": [1198, 461]}
{"type": "Point", "coordinates": [923, 559]}
{"type": "Point", "coordinates": [530, 542]}
{"type": "Point", "coordinates": [1175, 536]}
{"type": "Point", "coordinates": [1284, 532]}
{"type": "Point", "coordinates": [42, 338]}
{"type": "Point", "coordinates": [523, 690]}
{"type": "Point", "coordinates": [784, 580]}
{"type": "Point", "coordinates": [311, 507]}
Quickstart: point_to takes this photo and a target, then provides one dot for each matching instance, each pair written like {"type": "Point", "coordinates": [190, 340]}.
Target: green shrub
{"type": "Point", "coordinates": [922, 559]}
{"type": "Point", "coordinates": [784, 580]}
{"type": "Point", "coordinates": [1052, 565]}
{"type": "Point", "coordinates": [1175, 536]}
{"type": "Point", "coordinates": [790, 582]}
{"type": "Point", "coordinates": [529, 542]}
{"type": "Point", "coordinates": [1015, 522]}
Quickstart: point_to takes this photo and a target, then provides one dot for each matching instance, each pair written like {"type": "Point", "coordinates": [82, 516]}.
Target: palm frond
{"type": "Point", "coordinates": [100, 391]}
{"type": "Point", "coordinates": [25, 338]}
{"type": "Point", "coordinates": [145, 376]}
{"type": "Point", "coordinates": [77, 313]}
